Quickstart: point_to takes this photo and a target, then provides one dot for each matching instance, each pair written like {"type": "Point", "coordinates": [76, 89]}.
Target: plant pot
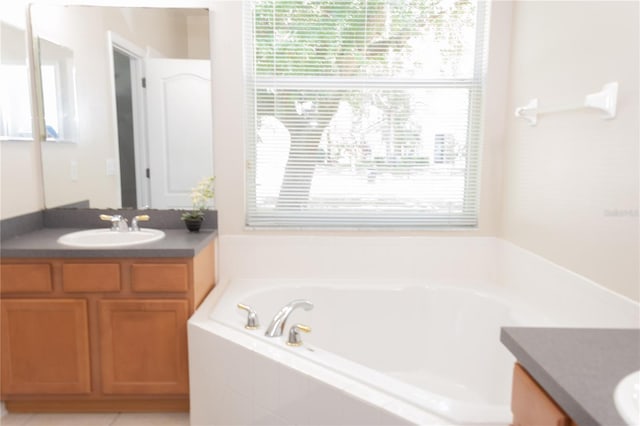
{"type": "Point", "coordinates": [193, 225]}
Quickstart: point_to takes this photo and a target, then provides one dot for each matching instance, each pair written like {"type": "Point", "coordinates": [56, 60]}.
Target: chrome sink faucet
{"type": "Point", "coordinates": [120, 224]}
{"type": "Point", "coordinates": [276, 327]}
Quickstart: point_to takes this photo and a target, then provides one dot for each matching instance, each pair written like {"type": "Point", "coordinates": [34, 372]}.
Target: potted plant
{"type": "Point", "coordinates": [200, 196]}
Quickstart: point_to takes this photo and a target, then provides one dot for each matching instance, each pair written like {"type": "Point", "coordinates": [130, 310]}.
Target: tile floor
{"type": "Point", "coordinates": [95, 419]}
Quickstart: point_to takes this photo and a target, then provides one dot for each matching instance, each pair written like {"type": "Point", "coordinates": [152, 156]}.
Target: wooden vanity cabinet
{"type": "Point", "coordinates": [99, 334]}
{"type": "Point", "coordinates": [531, 405]}
{"type": "Point", "coordinates": [143, 344]}
{"type": "Point", "coordinates": [45, 346]}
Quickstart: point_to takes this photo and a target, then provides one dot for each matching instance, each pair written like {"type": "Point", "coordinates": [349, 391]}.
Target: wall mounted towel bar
{"type": "Point", "coordinates": [604, 100]}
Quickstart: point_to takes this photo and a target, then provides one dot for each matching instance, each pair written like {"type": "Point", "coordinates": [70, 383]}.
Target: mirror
{"type": "Point", "coordinates": [57, 77]}
{"type": "Point", "coordinates": [15, 95]}
{"type": "Point", "coordinates": [131, 88]}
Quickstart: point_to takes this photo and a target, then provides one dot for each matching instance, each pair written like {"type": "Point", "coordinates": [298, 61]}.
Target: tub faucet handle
{"type": "Point", "coordinates": [294, 334]}
{"type": "Point", "coordinates": [252, 317]}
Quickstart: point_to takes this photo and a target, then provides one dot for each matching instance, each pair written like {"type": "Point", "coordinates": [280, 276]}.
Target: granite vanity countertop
{"type": "Point", "coordinates": [43, 243]}
{"type": "Point", "coordinates": [579, 368]}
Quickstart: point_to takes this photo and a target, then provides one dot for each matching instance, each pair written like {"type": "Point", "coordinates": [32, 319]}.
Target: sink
{"type": "Point", "coordinates": [627, 398]}
{"type": "Point", "coordinates": [104, 238]}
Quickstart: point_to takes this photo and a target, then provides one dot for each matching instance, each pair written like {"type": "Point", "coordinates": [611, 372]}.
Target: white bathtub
{"type": "Point", "coordinates": [431, 349]}
{"type": "Point", "coordinates": [410, 338]}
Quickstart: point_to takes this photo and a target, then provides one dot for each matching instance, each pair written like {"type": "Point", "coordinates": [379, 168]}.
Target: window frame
{"type": "Point", "coordinates": [254, 219]}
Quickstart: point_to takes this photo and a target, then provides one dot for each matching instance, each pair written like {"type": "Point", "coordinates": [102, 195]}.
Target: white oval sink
{"type": "Point", "coordinates": [100, 238]}
{"type": "Point", "coordinates": [627, 398]}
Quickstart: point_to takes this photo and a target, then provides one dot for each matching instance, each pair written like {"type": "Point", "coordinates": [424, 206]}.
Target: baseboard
{"type": "Point", "coordinates": [97, 406]}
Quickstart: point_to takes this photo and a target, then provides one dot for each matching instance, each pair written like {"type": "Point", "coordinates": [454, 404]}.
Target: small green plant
{"type": "Point", "coordinates": [200, 196]}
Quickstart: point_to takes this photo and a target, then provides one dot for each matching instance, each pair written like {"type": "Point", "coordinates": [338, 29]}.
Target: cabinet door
{"type": "Point", "coordinates": [530, 404]}
{"type": "Point", "coordinates": [45, 347]}
{"type": "Point", "coordinates": [143, 345]}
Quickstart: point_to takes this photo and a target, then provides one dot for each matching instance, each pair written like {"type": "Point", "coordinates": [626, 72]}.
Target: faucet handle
{"type": "Point", "coordinates": [136, 219]}
{"type": "Point", "coordinates": [252, 317]}
{"type": "Point", "coordinates": [294, 334]}
{"type": "Point", "coordinates": [118, 223]}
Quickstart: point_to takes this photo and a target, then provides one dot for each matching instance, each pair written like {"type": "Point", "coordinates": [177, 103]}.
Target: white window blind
{"type": "Point", "coordinates": [363, 114]}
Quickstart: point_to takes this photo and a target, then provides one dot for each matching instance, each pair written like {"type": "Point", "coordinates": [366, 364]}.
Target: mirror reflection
{"type": "Point", "coordinates": [15, 106]}
{"type": "Point", "coordinates": [141, 109]}
{"type": "Point", "coordinates": [58, 91]}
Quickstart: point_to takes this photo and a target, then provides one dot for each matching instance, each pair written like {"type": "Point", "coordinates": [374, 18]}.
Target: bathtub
{"type": "Point", "coordinates": [392, 353]}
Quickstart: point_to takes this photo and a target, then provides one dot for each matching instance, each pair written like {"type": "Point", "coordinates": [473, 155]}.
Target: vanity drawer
{"type": "Point", "coordinates": [25, 278]}
{"type": "Point", "coordinates": [163, 277]}
{"type": "Point", "coordinates": [91, 277]}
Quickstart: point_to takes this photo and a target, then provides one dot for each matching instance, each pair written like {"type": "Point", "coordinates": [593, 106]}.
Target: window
{"type": "Point", "coordinates": [57, 75]}
{"type": "Point", "coordinates": [15, 94]}
{"type": "Point", "coordinates": [363, 114]}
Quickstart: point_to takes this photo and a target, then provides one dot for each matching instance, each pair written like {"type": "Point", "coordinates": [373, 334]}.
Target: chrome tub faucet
{"type": "Point", "coordinates": [276, 327]}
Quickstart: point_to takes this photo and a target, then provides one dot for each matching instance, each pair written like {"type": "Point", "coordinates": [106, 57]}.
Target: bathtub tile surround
{"type": "Point", "coordinates": [565, 297]}
{"type": "Point", "coordinates": [255, 379]}
{"type": "Point", "coordinates": [468, 262]}
{"type": "Point", "coordinates": [248, 387]}
{"type": "Point", "coordinates": [442, 260]}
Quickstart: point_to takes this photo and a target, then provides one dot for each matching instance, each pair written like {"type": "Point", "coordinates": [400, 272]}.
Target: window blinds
{"type": "Point", "coordinates": [363, 114]}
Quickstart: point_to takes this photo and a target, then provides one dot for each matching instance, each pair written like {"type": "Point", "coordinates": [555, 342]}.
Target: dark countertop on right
{"type": "Point", "coordinates": [578, 367]}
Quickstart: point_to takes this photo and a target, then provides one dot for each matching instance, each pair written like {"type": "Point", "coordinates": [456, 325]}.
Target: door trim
{"type": "Point", "coordinates": [137, 56]}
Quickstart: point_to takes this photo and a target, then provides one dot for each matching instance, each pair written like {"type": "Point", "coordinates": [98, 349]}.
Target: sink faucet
{"type": "Point", "coordinates": [276, 328]}
{"type": "Point", "coordinates": [118, 223]}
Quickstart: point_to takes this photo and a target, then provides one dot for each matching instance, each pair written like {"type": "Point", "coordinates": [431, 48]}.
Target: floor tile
{"type": "Point", "coordinates": [15, 419]}
{"type": "Point", "coordinates": [71, 419]}
{"type": "Point", "coordinates": [152, 419]}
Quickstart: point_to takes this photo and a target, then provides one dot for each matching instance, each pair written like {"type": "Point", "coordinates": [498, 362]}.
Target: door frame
{"type": "Point", "coordinates": [137, 56]}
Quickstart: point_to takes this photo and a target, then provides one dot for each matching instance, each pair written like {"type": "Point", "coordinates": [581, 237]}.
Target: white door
{"type": "Point", "coordinates": [179, 129]}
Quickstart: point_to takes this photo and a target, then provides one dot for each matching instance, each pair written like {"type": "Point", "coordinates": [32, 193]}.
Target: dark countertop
{"type": "Point", "coordinates": [43, 243]}
{"type": "Point", "coordinates": [578, 368]}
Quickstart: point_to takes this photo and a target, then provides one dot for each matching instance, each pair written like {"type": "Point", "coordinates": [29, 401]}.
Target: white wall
{"type": "Point", "coordinates": [571, 183]}
{"type": "Point", "coordinates": [20, 181]}
{"type": "Point", "coordinates": [198, 36]}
